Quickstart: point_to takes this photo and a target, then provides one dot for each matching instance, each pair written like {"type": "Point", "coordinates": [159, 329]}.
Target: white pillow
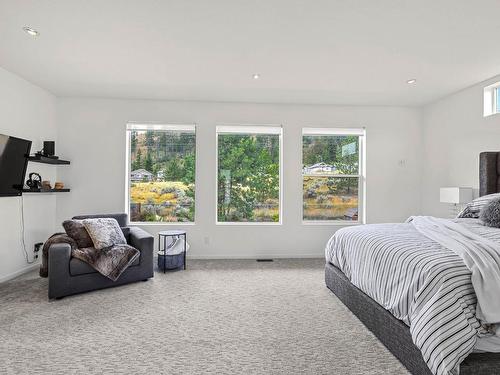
{"type": "Point", "coordinates": [104, 232]}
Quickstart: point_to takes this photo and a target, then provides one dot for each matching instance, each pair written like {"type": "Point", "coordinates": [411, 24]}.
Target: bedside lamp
{"type": "Point", "coordinates": [455, 195]}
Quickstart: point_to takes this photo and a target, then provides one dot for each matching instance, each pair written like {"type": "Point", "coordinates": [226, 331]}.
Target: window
{"type": "Point", "coordinates": [497, 100]}
{"type": "Point", "coordinates": [332, 175]}
{"type": "Point", "coordinates": [248, 174]}
{"type": "Point", "coordinates": [161, 172]}
{"type": "Point", "coordinates": [492, 99]}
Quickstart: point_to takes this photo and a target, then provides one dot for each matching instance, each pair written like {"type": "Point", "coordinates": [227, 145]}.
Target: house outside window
{"type": "Point", "coordinates": [249, 174]}
{"type": "Point", "coordinates": [141, 175]}
{"type": "Point", "coordinates": [161, 162]}
{"type": "Point", "coordinates": [333, 177]}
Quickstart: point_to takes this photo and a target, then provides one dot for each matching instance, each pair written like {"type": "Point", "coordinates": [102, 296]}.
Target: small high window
{"type": "Point", "coordinates": [492, 99]}
{"type": "Point", "coordinates": [497, 99]}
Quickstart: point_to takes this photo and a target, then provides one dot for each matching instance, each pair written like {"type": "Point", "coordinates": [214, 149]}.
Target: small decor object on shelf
{"type": "Point", "coordinates": [59, 185]}
{"type": "Point", "coordinates": [46, 185]}
{"type": "Point", "coordinates": [49, 148]}
{"type": "Point", "coordinates": [172, 255]}
{"type": "Point", "coordinates": [34, 181]}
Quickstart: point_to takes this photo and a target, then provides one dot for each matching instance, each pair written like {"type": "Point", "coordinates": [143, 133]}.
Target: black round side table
{"type": "Point", "coordinates": [162, 252]}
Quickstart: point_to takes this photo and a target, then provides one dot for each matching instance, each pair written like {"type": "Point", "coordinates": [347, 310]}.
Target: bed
{"type": "Point", "coordinates": [395, 333]}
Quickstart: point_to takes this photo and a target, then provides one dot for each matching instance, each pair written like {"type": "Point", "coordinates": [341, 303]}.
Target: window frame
{"type": "Point", "coordinates": [496, 99]}
{"type": "Point", "coordinates": [249, 129]}
{"type": "Point", "coordinates": [359, 132]}
{"type": "Point", "coordinates": [156, 126]}
{"type": "Point", "coordinates": [491, 103]}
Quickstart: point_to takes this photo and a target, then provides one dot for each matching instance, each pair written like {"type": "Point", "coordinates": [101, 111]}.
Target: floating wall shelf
{"type": "Point", "coordinates": [46, 191]}
{"type": "Point", "coordinates": [46, 160]}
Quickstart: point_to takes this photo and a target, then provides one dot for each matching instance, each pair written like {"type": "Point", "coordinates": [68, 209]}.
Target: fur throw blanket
{"type": "Point", "coordinates": [55, 238]}
{"type": "Point", "coordinates": [109, 262]}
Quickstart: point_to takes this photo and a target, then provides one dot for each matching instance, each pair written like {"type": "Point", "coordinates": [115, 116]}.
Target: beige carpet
{"type": "Point", "coordinates": [218, 317]}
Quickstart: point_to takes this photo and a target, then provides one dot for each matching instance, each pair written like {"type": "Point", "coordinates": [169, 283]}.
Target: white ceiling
{"type": "Point", "coordinates": [321, 51]}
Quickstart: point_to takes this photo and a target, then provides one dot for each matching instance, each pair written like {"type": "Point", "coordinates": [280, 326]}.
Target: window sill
{"type": "Point", "coordinates": [491, 114]}
{"type": "Point", "coordinates": [159, 223]}
{"type": "Point", "coordinates": [337, 223]}
{"type": "Point", "coordinates": [243, 223]}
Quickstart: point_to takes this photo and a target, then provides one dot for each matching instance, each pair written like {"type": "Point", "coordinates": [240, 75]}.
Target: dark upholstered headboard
{"type": "Point", "coordinates": [489, 173]}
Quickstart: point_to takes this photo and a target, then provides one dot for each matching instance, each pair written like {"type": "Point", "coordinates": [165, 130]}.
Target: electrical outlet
{"type": "Point", "coordinates": [206, 240]}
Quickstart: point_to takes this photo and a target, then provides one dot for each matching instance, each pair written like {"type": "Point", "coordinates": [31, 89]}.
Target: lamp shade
{"type": "Point", "coordinates": [455, 195]}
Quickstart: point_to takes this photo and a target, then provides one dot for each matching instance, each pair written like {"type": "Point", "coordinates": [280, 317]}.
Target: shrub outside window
{"type": "Point", "coordinates": [161, 162]}
{"type": "Point", "coordinates": [332, 175]}
{"type": "Point", "coordinates": [249, 174]}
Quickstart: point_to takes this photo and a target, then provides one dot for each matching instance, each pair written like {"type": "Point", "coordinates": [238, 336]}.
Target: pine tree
{"type": "Point", "coordinates": [133, 142]}
{"type": "Point", "coordinates": [174, 170]}
{"type": "Point", "coordinates": [148, 163]}
{"type": "Point", "coordinates": [137, 163]}
{"type": "Point", "coordinates": [163, 145]}
{"type": "Point", "coordinates": [150, 140]}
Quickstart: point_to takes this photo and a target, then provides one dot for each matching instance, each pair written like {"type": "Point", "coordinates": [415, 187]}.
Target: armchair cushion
{"type": "Point", "coordinates": [79, 267]}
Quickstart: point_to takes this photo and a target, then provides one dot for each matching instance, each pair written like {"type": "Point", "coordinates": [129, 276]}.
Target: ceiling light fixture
{"type": "Point", "coordinates": [411, 81]}
{"type": "Point", "coordinates": [30, 31]}
{"type": "Point", "coordinates": [256, 76]}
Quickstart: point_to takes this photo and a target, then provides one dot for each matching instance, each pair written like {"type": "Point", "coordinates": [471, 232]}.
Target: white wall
{"type": "Point", "coordinates": [454, 133]}
{"type": "Point", "coordinates": [439, 146]}
{"type": "Point", "coordinates": [91, 133]}
{"type": "Point", "coordinates": [26, 111]}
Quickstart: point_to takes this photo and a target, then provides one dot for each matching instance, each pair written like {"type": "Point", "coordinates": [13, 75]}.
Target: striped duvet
{"type": "Point", "coordinates": [420, 282]}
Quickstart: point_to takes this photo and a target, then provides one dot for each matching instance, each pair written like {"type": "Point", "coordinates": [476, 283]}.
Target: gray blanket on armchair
{"type": "Point", "coordinates": [109, 262]}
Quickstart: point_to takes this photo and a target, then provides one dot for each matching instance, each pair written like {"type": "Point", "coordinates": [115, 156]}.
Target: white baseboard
{"type": "Point", "coordinates": [253, 257]}
{"type": "Point", "coordinates": [200, 257]}
{"type": "Point", "coordinates": [19, 272]}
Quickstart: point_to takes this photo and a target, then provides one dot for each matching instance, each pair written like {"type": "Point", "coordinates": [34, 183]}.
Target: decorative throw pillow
{"type": "Point", "coordinates": [76, 230]}
{"type": "Point", "coordinates": [105, 232]}
{"type": "Point", "coordinates": [473, 208]}
{"type": "Point", "coordinates": [490, 215]}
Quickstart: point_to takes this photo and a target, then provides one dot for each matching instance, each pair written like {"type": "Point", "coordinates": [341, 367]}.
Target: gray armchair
{"type": "Point", "coordinates": [69, 275]}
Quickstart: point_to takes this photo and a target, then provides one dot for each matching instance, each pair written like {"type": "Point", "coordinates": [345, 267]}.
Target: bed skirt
{"type": "Point", "coordinates": [394, 334]}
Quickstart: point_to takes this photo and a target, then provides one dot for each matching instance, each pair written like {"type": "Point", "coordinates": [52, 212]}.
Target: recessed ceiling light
{"type": "Point", "coordinates": [411, 81]}
{"type": "Point", "coordinates": [256, 76]}
{"type": "Point", "coordinates": [30, 31]}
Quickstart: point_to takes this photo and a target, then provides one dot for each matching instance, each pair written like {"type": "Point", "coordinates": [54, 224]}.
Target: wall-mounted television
{"type": "Point", "coordinates": [14, 154]}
